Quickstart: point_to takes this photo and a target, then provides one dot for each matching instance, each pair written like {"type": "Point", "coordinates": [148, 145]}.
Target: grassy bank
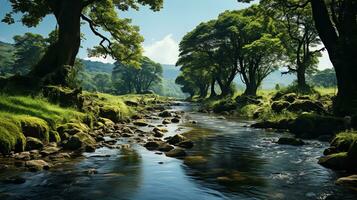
{"type": "Point", "coordinates": [37, 117]}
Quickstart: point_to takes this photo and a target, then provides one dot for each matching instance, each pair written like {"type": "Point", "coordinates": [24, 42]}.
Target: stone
{"type": "Point", "coordinates": [33, 143]}
{"type": "Point", "coordinates": [23, 156]}
{"type": "Point", "coordinates": [166, 121]}
{"type": "Point", "coordinates": [195, 160]}
{"type": "Point", "coordinates": [152, 145]}
{"type": "Point", "coordinates": [165, 147]}
{"type": "Point", "coordinates": [140, 123]}
{"type": "Point", "coordinates": [176, 139]}
{"type": "Point", "coordinates": [91, 171]}
{"type": "Point", "coordinates": [279, 106]}
{"type": "Point", "coordinates": [175, 120]}
{"type": "Point", "coordinates": [37, 165]}
{"type": "Point", "coordinates": [49, 151]}
{"type": "Point", "coordinates": [15, 180]}
{"type": "Point", "coordinates": [337, 161]}
{"type": "Point", "coordinates": [176, 153]}
{"type": "Point", "coordinates": [160, 129]}
{"type": "Point", "coordinates": [290, 141]}
{"type": "Point", "coordinates": [165, 114]}
{"type": "Point", "coordinates": [349, 182]}
{"type": "Point", "coordinates": [131, 103]}
{"type": "Point", "coordinates": [306, 106]}
{"type": "Point", "coordinates": [158, 134]}
{"type": "Point", "coordinates": [79, 140]}
{"type": "Point", "coordinates": [187, 144]}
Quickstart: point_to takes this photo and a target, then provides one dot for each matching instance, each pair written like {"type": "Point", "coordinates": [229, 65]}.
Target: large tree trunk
{"type": "Point", "coordinates": [301, 77]}
{"type": "Point", "coordinates": [341, 48]}
{"type": "Point", "coordinates": [213, 92]}
{"type": "Point", "coordinates": [55, 65]}
{"type": "Point", "coordinates": [251, 89]}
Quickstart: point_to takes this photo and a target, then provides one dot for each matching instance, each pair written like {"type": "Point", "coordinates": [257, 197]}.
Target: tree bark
{"type": "Point", "coordinates": [301, 77]}
{"type": "Point", "coordinates": [251, 89]}
{"type": "Point", "coordinates": [213, 92]}
{"type": "Point", "coordinates": [341, 48]}
{"type": "Point", "coordinates": [52, 67]}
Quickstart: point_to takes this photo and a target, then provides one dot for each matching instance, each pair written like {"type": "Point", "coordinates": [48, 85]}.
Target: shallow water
{"type": "Point", "coordinates": [239, 163]}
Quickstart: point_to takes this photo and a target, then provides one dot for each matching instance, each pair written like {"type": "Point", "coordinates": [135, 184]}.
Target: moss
{"type": "Point", "coordinates": [54, 136]}
{"type": "Point", "coordinates": [11, 137]}
{"type": "Point", "coordinates": [278, 106]}
{"type": "Point", "coordinates": [73, 128]}
{"type": "Point", "coordinates": [34, 127]}
{"type": "Point", "coordinates": [110, 112]}
{"type": "Point", "coordinates": [105, 121]}
{"type": "Point", "coordinates": [79, 140]}
{"type": "Point", "coordinates": [337, 161]}
{"type": "Point", "coordinates": [343, 141]}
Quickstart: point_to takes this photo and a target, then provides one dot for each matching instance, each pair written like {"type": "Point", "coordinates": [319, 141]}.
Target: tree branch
{"type": "Point", "coordinates": [92, 26]}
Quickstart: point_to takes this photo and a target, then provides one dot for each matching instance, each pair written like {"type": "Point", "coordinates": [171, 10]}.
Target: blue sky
{"type": "Point", "coordinates": [162, 30]}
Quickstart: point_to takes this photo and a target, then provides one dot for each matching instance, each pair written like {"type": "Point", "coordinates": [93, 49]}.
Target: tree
{"type": "Point", "coordinates": [129, 78]}
{"type": "Point", "coordinates": [336, 25]}
{"type": "Point", "coordinates": [102, 81]}
{"type": "Point", "coordinates": [301, 39]}
{"type": "Point", "coordinates": [325, 78]}
{"type": "Point", "coordinates": [99, 14]}
{"type": "Point", "coordinates": [28, 50]}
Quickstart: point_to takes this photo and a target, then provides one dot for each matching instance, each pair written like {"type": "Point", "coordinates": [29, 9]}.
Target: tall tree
{"type": "Point", "coordinates": [68, 14]}
{"type": "Point", "coordinates": [336, 23]}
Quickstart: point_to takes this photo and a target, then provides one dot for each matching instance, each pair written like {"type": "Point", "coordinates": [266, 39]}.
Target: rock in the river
{"type": "Point", "coordinates": [175, 120]}
{"type": "Point", "coordinates": [158, 134]}
{"type": "Point", "coordinates": [33, 143]}
{"type": "Point", "coordinates": [79, 140]}
{"type": "Point", "coordinates": [176, 153]}
{"type": "Point", "coordinates": [176, 139]}
{"type": "Point", "coordinates": [185, 144]}
{"type": "Point", "coordinates": [37, 165]}
{"type": "Point", "coordinates": [290, 141]}
{"type": "Point", "coordinates": [165, 114]}
{"type": "Point", "coordinates": [152, 145]}
{"type": "Point", "coordinates": [49, 151]}
{"type": "Point", "coordinates": [166, 121]}
{"type": "Point", "coordinates": [337, 161]}
{"type": "Point", "coordinates": [195, 160]}
{"type": "Point", "coordinates": [140, 123]}
{"type": "Point", "coordinates": [165, 147]}
{"type": "Point", "coordinates": [349, 182]}
{"type": "Point", "coordinates": [160, 129]}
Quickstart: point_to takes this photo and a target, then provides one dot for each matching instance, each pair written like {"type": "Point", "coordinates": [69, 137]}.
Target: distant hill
{"type": "Point", "coordinates": [95, 66]}
{"type": "Point", "coordinates": [170, 71]}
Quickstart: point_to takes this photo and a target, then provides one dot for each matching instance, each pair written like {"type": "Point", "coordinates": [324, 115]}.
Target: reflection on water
{"type": "Point", "coordinates": [228, 161]}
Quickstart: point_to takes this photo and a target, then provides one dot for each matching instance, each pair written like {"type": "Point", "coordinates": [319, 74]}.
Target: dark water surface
{"type": "Point", "coordinates": [237, 163]}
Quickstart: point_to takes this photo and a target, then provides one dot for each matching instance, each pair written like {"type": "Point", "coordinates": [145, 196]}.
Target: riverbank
{"type": "Point", "coordinates": [38, 133]}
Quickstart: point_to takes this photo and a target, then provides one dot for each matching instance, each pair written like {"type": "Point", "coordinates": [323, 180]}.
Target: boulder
{"type": "Point", "coordinates": [306, 106]}
{"type": "Point", "coordinates": [244, 100]}
{"type": "Point", "coordinates": [176, 153]}
{"type": "Point", "coordinates": [290, 141]}
{"type": "Point", "coordinates": [11, 137]}
{"type": "Point", "coordinates": [176, 139]}
{"type": "Point", "coordinates": [37, 165]}
{"type": "Point", "coordinates": [195, 160]}
{"type": "Point", "coordinates": [337, 161]}
{"type": "Point", "coordinates": [49, 151]}
{"type": "Point", "coordinates": [175, 120]}
{"type": "Point", "coordinates": [349, 182]}
{"type": "Point", "coordinates": [166, 121]}
{"type": "Point", "coordinates": [131, 103]}
{"type": "Point", "coordinates": [54, 137]}
{"type": "Point", "coordinates": [188, 144]}
{"type": "Point", "coordinates": [35, 127]}
{"type": "Point", "coordinates": [33, 143]}
{"type": "Point", "coordinates": [66, 97]}
{"type": "Point", "coordinates": [110, 112]}
{"type": "Point", "coordinates": [165, 147]}
{"type": "Point", "coordinates": [78, 141]}
{"type": "Point", "coordinates": [278, 106]}
{"type": "Point", "coordinates": [152, 145]}
{"type": "Point", "coordinates": [165, 114]}
{"type": "Point", "coordinates": [158, 134]}
{"type": "Point", "coordinates": [72, 128]}
{"type": "Point", "coordinates": [140, 123]}
{"type": "Point", "coordinates": [290, 97]}
{"type": "Point", "coordinates": [160, 129]}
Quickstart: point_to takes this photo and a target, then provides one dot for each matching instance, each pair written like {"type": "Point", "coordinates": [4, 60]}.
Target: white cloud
{"type": "Point", "coordinates": [108, 59]}
{"type": "Point", "coordinates": [165, 51]}
{"type": "Point", "coordinates": [325, 61]}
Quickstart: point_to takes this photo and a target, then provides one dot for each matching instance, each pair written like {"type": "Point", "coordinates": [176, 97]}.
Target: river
{"type": "Point", "coordinates": [238, 163]}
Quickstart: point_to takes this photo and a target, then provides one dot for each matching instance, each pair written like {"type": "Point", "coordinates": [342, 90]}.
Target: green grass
{"type": "Point", "coordinates": [344, 140]}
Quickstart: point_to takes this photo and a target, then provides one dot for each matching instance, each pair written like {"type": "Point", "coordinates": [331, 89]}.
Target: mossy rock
{"type": "Point", "coordinates": [11, 137]}
{"type": "Point", "coordinates": [313, 126]}
{"type": "Point", "coordinates": [306, 106]}
{"type": "Point", "coordinates": [64, 96]}
{"type": "Point", "coordinates": [54, 137]}
{"type": "Point", "coordinates": [244, 100]}
{"type": "Point", "coordinates": [33, 143]}
{"type": "Point", "coordinates": [337, 161]}
{"type": "Point", "coordinates": [110, 112]}
{"type": "Point", "coordinates": [343, 141]}
{"type": "Point", "coordinates": [72, 128]}
{"type": "Point", "coordinates": [290, 97]}
{"type": "Point", "coordinates": [225, 106]}
{"type": "Point", "coordinates": [105, 121]}
{"type": "Point", "coordinates": [78, 141]}
{"type": "Point", "coordinates": [278, 106]}
{"type": "Point", "coordinates": [34, 127]}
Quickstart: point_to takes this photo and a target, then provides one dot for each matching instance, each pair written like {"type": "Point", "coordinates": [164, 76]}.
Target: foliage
{"type": "Point", "coordinates": [129, 78]}
{"type": "Point", "coordinates": [325, 78]}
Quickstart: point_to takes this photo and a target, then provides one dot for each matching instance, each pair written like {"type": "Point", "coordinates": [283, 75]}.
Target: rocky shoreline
{"type": "Point", "coordinates": [146, 129]}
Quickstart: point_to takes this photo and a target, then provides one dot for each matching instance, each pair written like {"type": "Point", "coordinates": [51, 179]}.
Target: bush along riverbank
{"type": "Point", "coordinates": [306, 117]}
{"type": "Point", "coordinates": [39, 132]}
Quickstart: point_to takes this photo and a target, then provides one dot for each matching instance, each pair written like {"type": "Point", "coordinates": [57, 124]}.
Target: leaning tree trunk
{"type": "Point", "coordinates": [55, 65]}
{"type": "Point", "coordinates": [341, 48]}
{"type": "Point", "coordinates": [213, 92]}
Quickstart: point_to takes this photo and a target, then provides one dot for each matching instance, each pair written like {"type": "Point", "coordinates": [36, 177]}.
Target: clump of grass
{"type": "Point", "coordinates": [344, 140]}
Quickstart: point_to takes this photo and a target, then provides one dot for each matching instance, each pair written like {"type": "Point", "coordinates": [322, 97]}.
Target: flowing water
{"type": "Point", "coordinates": [231, 161]}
